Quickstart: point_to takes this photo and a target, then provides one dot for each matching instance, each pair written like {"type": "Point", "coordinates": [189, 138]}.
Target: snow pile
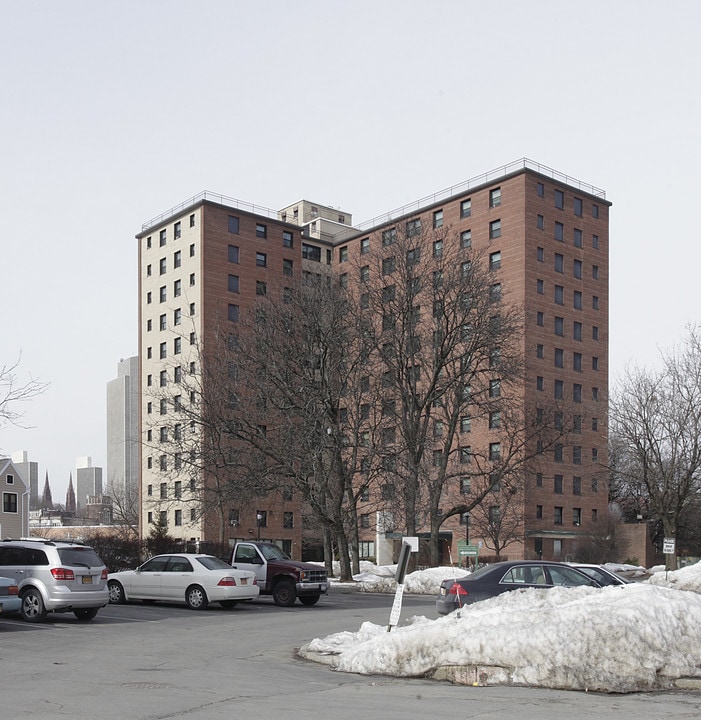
{"type": "Point", "coordinates": [686, 578]}
{"type": "Point", "coordinates": [616, 639]}
{"type": "Point", "coordinates": [380, 579]}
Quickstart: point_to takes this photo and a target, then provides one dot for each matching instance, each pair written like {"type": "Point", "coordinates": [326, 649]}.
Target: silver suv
{"type": "Point", "coordinates": [55, 576]}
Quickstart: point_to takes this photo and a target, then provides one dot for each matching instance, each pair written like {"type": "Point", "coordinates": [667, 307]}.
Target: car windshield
{"type": "Point", "coordinates": [79, 556]}
{"type": "Point", "coordinates": [603, 577]}
{"type": "Point", "coordinates": [213, 563]}
{"type": "Point", "coordinates": [273, 552]}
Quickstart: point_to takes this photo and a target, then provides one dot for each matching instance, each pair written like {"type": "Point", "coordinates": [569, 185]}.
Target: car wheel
{"type": "Point", "coordinates": [116, 592]}
{"type": "Point", "coordinates": [33, 609]}
{"type": "Point", "coordinates": [284, 594]}
{"type": "Point", "coordinates": [196, 598]}
{"type": "Point", "coordinates": [309, 599]}
{"type": "Point", "coordinates": [85, 614]}
{"type": "Point", "coordinates": [227, 603]}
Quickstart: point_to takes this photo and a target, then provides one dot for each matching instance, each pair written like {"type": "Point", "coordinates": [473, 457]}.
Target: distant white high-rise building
{"type": "Point", "coordinates": [123, 430]}
{"type": "Point", "coordinates": [88, 482]}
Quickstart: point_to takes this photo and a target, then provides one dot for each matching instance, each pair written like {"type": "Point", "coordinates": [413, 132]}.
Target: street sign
{"type": "Point", "coordinates": [468, 550]}
{"type": "Point", "coordinates": [668, 546]}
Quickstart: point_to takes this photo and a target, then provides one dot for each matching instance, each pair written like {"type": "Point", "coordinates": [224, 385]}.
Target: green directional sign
{"type": "Point", "coordinates": [465, 550]}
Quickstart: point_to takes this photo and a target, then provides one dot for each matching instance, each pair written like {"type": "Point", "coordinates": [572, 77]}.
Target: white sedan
{"type": "Point", "coordinates": [191, 578]}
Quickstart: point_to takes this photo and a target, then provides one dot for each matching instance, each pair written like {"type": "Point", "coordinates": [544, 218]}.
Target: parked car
{"type": "Point", "coordinates": [492, 580]}
{"type": "Point", "coordinates": [9, 596]}
{"type": "Point", "coordinates": [603, 576]}
{"type": "Point", "coordinates": [191, 578]}
{"type": "Point", "coordinates": [55, 576]}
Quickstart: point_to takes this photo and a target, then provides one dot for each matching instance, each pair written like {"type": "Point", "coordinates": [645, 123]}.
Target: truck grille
{"type": "Point", "coordinates": [316, 576]}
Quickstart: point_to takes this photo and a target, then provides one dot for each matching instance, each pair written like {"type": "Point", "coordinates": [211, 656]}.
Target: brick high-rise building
{"type": "Point", "coordinates": [546, 239]}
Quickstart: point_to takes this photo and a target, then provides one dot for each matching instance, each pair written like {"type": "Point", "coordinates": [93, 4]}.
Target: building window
{"type": "Point", "coordinates": [177, 288]}
{"type": "Point", "coordinates": [577, 362]}
{"type": "Point", "coordinates": [233, 224]}
{"type": "Point", "coordinates": [559, 200]}
{"type": "Point", "coordinates": [557, 485]}
{"type": "Point", "coordinates": [162, 294]}
{"type": "Point", "coordinates": [540, 287]}
{"type": "Point", "coordinates": [162, 238]}
{"type": "Point", "coordinates": [261, 230]}
{"type": "Point", "coordinates": [595, 302]}
{"type": "Point", "coordinates": [577, 269]}
{"type": "Point", "coordinates": [438, 219]}
{"type": "Point", "coordinates": [577, 393]}
{"type": "Point", "coordinates": [466, 239]}
{"type": "Point", "coordinates": [365, 273]}
{"type": "Point", "coordinates": [413, 227]}
{"type": "Point", "coordinates": [577, 238]}
{"type": "Point", "coordinates": [343, 254]}
{"type": "Point", "coordinates": [465, 455]}
{"type": "Point", "coordinates": [343, 280]}
{"type": "Point", "coordinates": [437, 249]}
{"type": "Point", "coordinates": [559, 295]}
{"type": "Point", "coordinates": [162, 322]}
{"type": "Point", "coordinates": [595, 211]}
{"type": "Point", "coordinates": [495, 197]}
{"type": "Point", "coordinates": [578, 207]}
{"type": "Point", "coordinates": [287, 239]}
{"type": "Point", "coordinates": [163, 487]}
{"type": "Point", "coordinates": [178, 517]}
{"type": "Point", "coordinates": [559, 358]}
{"type": "Point", "coordinates": [494, 388]}
{"type": "Point", "coordinates": [389, 265]}
{"type": "Point", "coordinates": [559, 263]}
{"type": "Point", "coordinates": [365, 520]}
{"type": "Point", "coordinates": [365, 246]}
{"type": "Point", "coordinates": [558, 389]}
{"type": "Point", "coordinates": [287, 267]}
{"type": "Point", "coordinates": [9, 502]}
{"type": "Point", "coordinates": [311, 252]}
{"type": "Point", "coordinates": [465, 424]}
{"type": "Point", "coordinates": [559, 232]}
{"type": "Point", "coordinates": [177, 259]}
{"type": "Point", "coordinates": [177, 345]}
{"type": "Point", "coordinates": [494, 451]}
{"type": "Point", "coordinates": [261, 259]}
{"type": "Point", "coordinates": [540, 351]}
{"type": "Point", "coordinates": [261, 288]}
{"type": "Point", "coordinates": [288, 520]}
{"type": "Point", "coordinates": [192, 220]}
{"type": "Point", "coordinates": [163, 406]}
{"type": "Point", "coordinates": [466, 208]}
{"type": "Point", "coordinates": [595, 242]}
{"type": "Point", "coordinates": [192, 250]}
{"type": "Point", "coordinates": [192, 309]}
{"type": "Point", "coordinates": [494, 229]}
{"type": "Point", "coordinates": [234, 254]}
{"type": "Point", "coordinates": [389, 237]}
{"type": "Point", "coordinates": [162, 266]}
{"type": "Point", "coordinates": [577, 300]}
{"type": "Point", "coordinates": [539, 383]}
{"type": "Point", "coordinates": [465, 484]}
{"type": "Point", "coordinates": [162, 350]}
{"type": "Point", "coordinates": [233, 313]}
{"type": "Point", "coordinates": [163, 378]}
{"type": "Point", "coordinates": [557, 519]}
{"type": "Point", "coordinates": [540, 319]}
{"type": "Point", "coordinates": [495, 292]}
{"type": "Point", "coordinates": [233, 283]}
{"type": "Point", "coordinates": [576, 454]}
{"type": "Point", "coordinates": [495, 260]}
{"type": "Point", "coordinates": [539, 512]}
{"type": "Point", "coordinates": [541, 189]}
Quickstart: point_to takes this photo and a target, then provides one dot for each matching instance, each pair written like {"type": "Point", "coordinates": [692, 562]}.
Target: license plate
{"type": "Point", "coordinates": [442, 591]}
{"type": "Point", "coordinates": [87, 579]}
{"type": "Point", "coordinates": [244, 581]}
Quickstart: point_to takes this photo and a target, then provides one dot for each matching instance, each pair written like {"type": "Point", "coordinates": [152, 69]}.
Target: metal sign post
{"type": "Point", "coordinates": [404, 554]}
{"type": "Point", "coordinates": [668, 548]}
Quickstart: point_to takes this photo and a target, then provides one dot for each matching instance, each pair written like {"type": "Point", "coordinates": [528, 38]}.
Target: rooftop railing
{"type": "Point", "coordinates": [212, 197]}
{"type": "Point", "coordinates": [483, 179]}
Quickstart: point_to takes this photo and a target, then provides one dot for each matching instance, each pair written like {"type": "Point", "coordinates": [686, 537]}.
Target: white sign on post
{"type": "Point", "coordinates": [668, 546]}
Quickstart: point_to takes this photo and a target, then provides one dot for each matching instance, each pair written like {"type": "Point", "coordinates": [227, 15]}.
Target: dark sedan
{"type": "Point", "coordinates": [493, 580]}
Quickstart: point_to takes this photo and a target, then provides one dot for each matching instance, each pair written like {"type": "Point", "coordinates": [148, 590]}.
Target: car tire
{"type": "Point", "coordinates": [284, 594]}
{"type": "Point", "coordinates": [227, 603]}
{"type": "Point", "coordinates": [85, 614]}
{"type": "Point", "coordinates": [196, 598]}
{"type": "Point", "coordinates": [309, 600]}
{"type": "Point", "coordinates": [116, 592]}
{"type": "Point", "coordinates": [33, 609]}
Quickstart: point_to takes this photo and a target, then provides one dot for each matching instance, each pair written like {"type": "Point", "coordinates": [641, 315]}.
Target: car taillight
{"type": "Point", "coordinates": [62, 574]}
{"type": "Point", "coordinates": [228, 581]}
{"type": "Point", "coordinates": [457, 589]}
{"type": "Point", "coordinates": [13, 590]}
{"type": "Point", "coordinates": [104, 574]}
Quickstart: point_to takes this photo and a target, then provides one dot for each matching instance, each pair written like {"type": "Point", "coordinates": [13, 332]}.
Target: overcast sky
{"type": "Point", "coordinates": [115, 112]}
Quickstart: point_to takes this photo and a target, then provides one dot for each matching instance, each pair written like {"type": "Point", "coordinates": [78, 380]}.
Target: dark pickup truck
{"type": "Point", "coordinates": [280, 576]}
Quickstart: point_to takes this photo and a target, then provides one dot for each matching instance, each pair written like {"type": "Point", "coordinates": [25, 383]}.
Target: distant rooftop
{"type": "Point", "coordinates": [463, 187]}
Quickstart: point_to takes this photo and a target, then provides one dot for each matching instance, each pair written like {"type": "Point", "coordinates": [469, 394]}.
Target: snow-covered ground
{"type": "Point", "coordinates": [642, 636]}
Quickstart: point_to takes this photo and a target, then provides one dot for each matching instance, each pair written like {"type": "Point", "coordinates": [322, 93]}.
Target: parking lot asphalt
{"type": "Point", "coordinates": [165, 661]}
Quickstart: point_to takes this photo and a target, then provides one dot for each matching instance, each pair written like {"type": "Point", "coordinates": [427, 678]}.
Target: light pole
{"type": "Point", "coordinates": [466, 520]}
{"type": "Point", "coordinates": [259, 517]}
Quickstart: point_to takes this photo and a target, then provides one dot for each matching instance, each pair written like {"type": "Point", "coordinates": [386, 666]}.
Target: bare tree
{"type": "Point", "coordinates": [449, 356]}
{"type": "Point", "coordinates": [125, 508]}
{"type": "Point", "coordinates": [656, 430]}
{"type": "Point", "coordinates": [14, 392]}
